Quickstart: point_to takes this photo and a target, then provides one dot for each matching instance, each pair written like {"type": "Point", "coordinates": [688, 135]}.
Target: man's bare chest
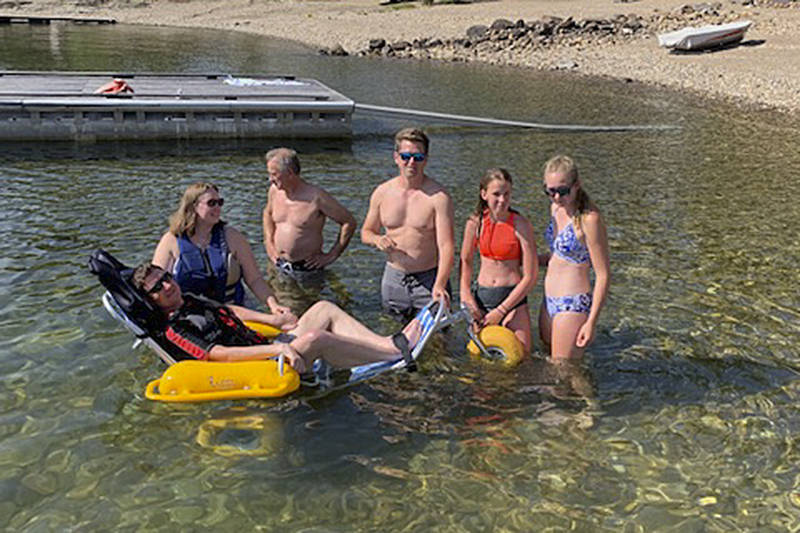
{"type": "Point", "coordinates": [407, 212]}
{"type": "Point", "coordinates": [296, 213]}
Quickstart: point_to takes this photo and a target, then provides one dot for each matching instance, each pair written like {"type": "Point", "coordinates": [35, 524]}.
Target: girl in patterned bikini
{"type": "Point", "coordinates": [578, 241]}
{"type": "Point", "coordinates": [505, 242]}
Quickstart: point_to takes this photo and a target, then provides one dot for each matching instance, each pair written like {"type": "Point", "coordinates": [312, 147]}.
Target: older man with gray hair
{"type": "Point", "coordinates": [295, 215]}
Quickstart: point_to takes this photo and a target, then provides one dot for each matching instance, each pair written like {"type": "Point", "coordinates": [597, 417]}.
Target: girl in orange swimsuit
{"type": "Point", "coordinates": [509, 268]}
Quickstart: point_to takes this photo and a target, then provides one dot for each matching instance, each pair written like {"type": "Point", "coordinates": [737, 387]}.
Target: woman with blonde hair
{"type": "Point", "coordinates": [504, 240]}
{"type": "Point", "coordinates": [578, 242]}
{"type": "Point", "coordinates": [210, 258]}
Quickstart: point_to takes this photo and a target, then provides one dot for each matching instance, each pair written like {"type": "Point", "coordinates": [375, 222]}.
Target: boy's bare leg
{"type": "Point", "coordinates": [344, 351]}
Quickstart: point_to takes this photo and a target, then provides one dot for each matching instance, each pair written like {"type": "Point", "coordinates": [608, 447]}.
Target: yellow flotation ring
{"type": "Point", "coordinates": [266, 433]}
{"type": "Point", "coordinates": [501, 343]}
{"type": "Point", "coordinates": [200, 381]}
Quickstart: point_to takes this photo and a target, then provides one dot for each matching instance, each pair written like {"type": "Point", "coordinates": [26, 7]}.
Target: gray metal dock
{"type": "Point", "coordinates": [45, 106]}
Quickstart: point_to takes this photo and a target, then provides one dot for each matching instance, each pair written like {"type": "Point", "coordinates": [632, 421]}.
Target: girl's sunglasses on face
{"type": "Point", "coordinates": [214, 202]}
{"type": "Point", "coordinates": [561, 191]}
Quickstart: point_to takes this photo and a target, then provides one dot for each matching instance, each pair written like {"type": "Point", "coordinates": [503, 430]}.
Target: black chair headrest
{"type": "Point", "coordinates": [116, 278]}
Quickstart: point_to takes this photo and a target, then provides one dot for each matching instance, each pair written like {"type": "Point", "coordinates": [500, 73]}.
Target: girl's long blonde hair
{"type": "Point", "coordinates": [184, 219]}
{"type": "Point", "coordinates": [563, 164]}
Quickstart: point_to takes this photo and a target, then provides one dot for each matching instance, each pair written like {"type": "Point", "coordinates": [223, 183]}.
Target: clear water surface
{"type": "Point", "coordinates": [683, 417]}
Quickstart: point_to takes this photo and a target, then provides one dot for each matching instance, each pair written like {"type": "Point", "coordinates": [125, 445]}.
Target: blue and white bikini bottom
{"type": "Point", "coordinates": [573, 303]}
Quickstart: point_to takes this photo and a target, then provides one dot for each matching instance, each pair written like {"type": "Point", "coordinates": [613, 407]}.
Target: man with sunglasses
{"type": "Point", "coordinates": [206, 330]}
{"type": "Point", "coordinates": [294, 216]}
{"type": "Point", "coordinates": [416, 216]}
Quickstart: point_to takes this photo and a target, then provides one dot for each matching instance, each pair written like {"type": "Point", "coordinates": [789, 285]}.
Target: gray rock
{"type": "Point", "coordinates": [399, 46]}
{"type": "Point", "coordinates": [566, 25]}
{"type": "Point", "coordinates": [518, 33]}
{"type": "Point", "coordinates": [501, 24]}
{"type": "Point", "coordinates": [499, 35]}
{"type": "Point", "coordinates": [705, 9]}
{"type": "Point", "coordinates": [476, 32]}
{"type": "Point", "coordinates": [376, 44]}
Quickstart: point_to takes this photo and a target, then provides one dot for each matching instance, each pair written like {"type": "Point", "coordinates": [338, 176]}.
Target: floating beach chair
{"type": "Point", "coordinates": [189, 380]}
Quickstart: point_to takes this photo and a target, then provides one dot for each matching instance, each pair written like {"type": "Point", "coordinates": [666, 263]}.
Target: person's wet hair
{"type": "Point", "coordinates": [415, 135]}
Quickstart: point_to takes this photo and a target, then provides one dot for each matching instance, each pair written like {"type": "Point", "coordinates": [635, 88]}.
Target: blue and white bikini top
{"type": "Point", "coordinates": [566, 244]}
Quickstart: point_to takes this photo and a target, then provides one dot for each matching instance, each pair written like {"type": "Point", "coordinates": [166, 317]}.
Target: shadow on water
{"type": "Point", "coordinates": [131, 150]}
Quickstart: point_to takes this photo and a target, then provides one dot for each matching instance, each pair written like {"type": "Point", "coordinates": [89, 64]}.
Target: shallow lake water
{"type": "Point", "coordinates": [684, 415]}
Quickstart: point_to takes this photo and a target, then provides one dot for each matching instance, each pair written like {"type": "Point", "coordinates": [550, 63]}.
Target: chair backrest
{"type": "Point", "coordinates": [116, 278]}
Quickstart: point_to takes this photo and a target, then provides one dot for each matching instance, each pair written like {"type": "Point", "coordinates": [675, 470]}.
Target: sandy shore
{"type": "Point", "coordinates": [765, 73]}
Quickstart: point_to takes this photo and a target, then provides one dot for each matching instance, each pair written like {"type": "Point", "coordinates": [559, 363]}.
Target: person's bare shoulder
{"type": "Point", "coordinates": [315, 192]}
{"type": "Point", "coordinates": [433, 187]}
{"type": "Point", "coordinates": [593, 218]}
{"type": "Point", "coordinates": [384, 187]}
{"type": "Point", "coordinates": [522, 225]}
{"type": "Point", "coordinates": [232, 234]}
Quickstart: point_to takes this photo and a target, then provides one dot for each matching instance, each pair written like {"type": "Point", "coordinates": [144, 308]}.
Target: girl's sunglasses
{"type": "Point", "coordinates": [216, 202]}
{"type": "Point", "coordinates": [561, 191]}
{"type": "Point", "coordinates": [416, 156]}
{"type": "Point", "coordinates": [155, 289]}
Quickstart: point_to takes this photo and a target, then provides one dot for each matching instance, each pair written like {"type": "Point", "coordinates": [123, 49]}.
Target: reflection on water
{"type": "Point", "coordinates": [684, 415]}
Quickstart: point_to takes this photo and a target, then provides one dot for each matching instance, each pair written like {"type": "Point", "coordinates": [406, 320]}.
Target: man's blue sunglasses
{"type": "Point", "coordinates": [416, 156]}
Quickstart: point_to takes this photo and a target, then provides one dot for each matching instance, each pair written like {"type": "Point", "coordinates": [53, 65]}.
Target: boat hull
{"type": "Point", "coordinates": [705, 37]}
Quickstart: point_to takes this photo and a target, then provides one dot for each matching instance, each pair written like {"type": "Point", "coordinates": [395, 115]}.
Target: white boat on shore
{"type": "Point", "coordinates": [705, 36]}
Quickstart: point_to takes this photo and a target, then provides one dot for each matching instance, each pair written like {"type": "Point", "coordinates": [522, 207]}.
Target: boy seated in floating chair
{"type": "Point", "coordinates": [194, 327]}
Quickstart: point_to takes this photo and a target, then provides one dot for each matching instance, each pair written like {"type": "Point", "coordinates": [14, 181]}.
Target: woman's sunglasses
{"type": "Point", "coordinates": [561, 191]}
{"type": "Point", "coordinates": [214, 202]}
{"type": "Point", "coordinates": [416, 156]}
{"type": "Point", "coordinates": [165, 278]}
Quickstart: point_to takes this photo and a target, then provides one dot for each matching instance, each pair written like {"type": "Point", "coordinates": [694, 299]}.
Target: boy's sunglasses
{"type": "Point", "coordinates": [416, 156]}
{"type": "Point", "coordinates": [165, 278]}
{"type": "Point", "coordinates": [561, 191]}
{"type": "Point", "coordinates": [214, 202]}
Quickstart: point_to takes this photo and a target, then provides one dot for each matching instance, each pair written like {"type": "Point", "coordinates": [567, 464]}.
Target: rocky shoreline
{"type": "Point", "coordinates": [483, 43]}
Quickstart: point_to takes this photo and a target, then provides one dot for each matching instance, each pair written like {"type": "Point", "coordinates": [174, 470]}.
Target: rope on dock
{"type": "Point", "coordinates": [465, 119]}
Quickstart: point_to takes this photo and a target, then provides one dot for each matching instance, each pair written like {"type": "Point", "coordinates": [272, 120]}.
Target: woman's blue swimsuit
{"type": "Point", "coordinates": [568, 247]}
